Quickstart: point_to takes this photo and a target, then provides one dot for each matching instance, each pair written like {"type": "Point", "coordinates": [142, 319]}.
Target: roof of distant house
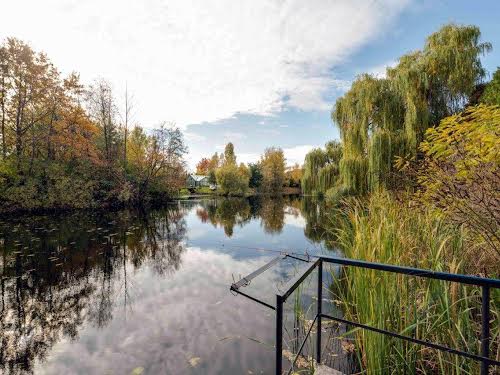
{"type": "Point", "coordinates": [197, 177]}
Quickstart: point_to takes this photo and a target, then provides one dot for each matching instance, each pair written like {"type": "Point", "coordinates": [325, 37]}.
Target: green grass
{"type": "Point", "coordinates": [384, 230]}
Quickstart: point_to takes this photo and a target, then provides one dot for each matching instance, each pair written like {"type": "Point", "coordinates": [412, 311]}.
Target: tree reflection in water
{"type": "Point", "coordinates": [231, 212]}
{"type": "Point", "coordinates": [58, 272]}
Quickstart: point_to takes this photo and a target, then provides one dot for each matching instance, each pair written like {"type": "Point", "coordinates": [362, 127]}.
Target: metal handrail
{"type": "Point", "coordinates": [485, 284]}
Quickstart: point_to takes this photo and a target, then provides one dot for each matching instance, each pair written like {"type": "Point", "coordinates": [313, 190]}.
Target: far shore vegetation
{"type": "Point", "coordinates": [269, 176]}
{"type": "Point", "coordinates": [69, 145]}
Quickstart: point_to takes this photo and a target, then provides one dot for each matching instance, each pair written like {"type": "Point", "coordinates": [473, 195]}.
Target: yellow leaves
{"type": "Point", "coordinates": [460, 173]}
{"type": "Point", "coordinates": [467, 139]}
{"type": "Point", "coordinates": [194, 362]}
{"type": "Point", "coordinates": [137, 371]}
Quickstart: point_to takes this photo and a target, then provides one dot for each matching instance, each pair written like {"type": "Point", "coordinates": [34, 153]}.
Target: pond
{"type": "Point", "coordinates": [147, 292]}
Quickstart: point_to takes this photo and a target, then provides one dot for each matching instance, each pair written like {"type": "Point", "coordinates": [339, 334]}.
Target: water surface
{"type": "Point", "coordinates": [131, 291]}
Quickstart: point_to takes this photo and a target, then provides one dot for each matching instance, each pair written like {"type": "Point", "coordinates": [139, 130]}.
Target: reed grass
{"type": "Point", "coordinates": [388, 231]}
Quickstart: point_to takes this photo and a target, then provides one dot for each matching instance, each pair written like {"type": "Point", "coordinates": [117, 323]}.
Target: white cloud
{"type": "Point", "coordinates": [270, 131]}
{"type": "Point", "coordinates": [234, 136]}
{"type": "Point", "coordinates": [297, 154]}
{"type": "Point", "coordinates": [380, 71]}
{"type": "Point", "coordinates": [248, 157]}
{"type": "Point", "coordinates": [295, 220]}
{"type": "Point", "coordinates": [194, 137]}
{"type": "Point", "coordinates": [193, 61]}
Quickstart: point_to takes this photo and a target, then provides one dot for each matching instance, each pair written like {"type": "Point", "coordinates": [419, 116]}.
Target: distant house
{"type": "Point", "coordinates": [196, 180]}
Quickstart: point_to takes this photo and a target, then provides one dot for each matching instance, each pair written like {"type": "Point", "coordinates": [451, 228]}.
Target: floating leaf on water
{"type": "Point", "coordinates": [229, 338]}
{"type": "Point", "coordinates": [137, 371]}
{"type": "Point", "coordinates": [194, 362]}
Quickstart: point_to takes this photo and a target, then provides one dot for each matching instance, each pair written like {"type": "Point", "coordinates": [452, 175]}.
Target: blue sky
{"type": "Point", "coordinates": [258, 73]}
{"type": "Point", "coordinates": [297, 131]}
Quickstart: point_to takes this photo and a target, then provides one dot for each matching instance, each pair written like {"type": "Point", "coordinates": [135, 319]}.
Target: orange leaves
{"type": "Point", "coordinates": [74, 136]}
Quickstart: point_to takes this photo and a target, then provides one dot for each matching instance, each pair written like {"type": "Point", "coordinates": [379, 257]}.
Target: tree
{"type": "Point", "coordinates": [491, 94]}
{"type": "Point", "coordinates": [273, 170]}
{"type": "Point", "coordinates": [380, 119]}
{"type": "Point", "coordinates": [212, 177]}
{"type": "Point", "coordinates": [214, 164]}
{"type": "Point", "coordinates": [127, 115]}
{"type": "Point", "coordinates": [5, 86]}
{"type": "Point", "coordinates": [229, 156]}
{"type": "Point", "coordinates": [461, 173]}
{"type": "Point", "coordinates": [164, 159]}
{"type": "Point", "coordinates": [231, 179]}
{"type": "Point", "coordinates": [61, 145]}
{"type": "Point", "coordinates": [255, 180]}
{"type": "Point", "coordinates": [203, 167]}
{"type": "Point", "coordinates": [321, 169]}
{"type": "Point", "coordinates": [30, 89]}
{"type": "Point", "coordinates": [103, 111]}
{"type": "Point", "coordinates": [293, 175]}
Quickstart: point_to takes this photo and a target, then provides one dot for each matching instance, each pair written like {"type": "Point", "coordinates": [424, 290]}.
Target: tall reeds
{"type": "Point", "coordinates": [388, 231]}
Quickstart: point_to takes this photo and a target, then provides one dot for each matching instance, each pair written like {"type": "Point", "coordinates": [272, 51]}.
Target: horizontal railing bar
{"type": "Point", "coordinates": [294, 257]}
{"type": "Point", "coordinates": [245, 280]}
{"type": "Point", "coordinates": [253, 298]}
{"type": "Point", "coordinates": [464, 279]}
{"type": "Point", "coordinates": [416, 341]}
{"type": "Point", "coordinates": [302, 345]}
{"type": "Point", "coordinates": [295, 282]}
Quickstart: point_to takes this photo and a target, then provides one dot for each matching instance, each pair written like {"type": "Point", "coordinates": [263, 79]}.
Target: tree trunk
{"type": "Point", "coordinates": [4, 141]}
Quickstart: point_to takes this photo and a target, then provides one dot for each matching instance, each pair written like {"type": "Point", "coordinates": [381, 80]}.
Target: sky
{"type": "Point", "coordinates": [258, 73]}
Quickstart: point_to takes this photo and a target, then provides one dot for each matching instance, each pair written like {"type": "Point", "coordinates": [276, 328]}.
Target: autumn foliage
{"type": "Point", "coordinates": [64, 144]}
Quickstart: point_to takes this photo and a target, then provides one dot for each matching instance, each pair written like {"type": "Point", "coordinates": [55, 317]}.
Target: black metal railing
{"type": "Point", "coordinates": [317, 262]}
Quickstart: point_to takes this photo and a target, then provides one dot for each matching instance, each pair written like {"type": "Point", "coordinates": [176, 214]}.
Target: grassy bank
{"type": "Point", "coordinates": [386, 230]}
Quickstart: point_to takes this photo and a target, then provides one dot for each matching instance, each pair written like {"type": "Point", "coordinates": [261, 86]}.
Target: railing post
{"type": "Point", "coordinates": [279, 334]}
{"type": "Point", "coordinates": [485, 334]}
{"type": "Point", "coordinates": [320, 302]}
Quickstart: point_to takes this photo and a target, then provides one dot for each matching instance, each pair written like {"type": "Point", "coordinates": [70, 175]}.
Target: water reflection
{"type": "Point", "coordinates": [88, 293]}
{"type": "Point", "coordinates": [58, 271]}
{"type": "Point", "coordinates": [231, 212]}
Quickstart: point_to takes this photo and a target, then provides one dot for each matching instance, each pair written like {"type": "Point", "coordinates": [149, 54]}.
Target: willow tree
{"type": "Point", "coordinates": [321, 169]}
{"type": "Point", "coordinates": [381, 118]}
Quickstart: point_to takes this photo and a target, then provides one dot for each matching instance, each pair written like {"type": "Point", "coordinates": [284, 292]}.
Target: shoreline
{"type": "Point", "coordinates": [139, 205]}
